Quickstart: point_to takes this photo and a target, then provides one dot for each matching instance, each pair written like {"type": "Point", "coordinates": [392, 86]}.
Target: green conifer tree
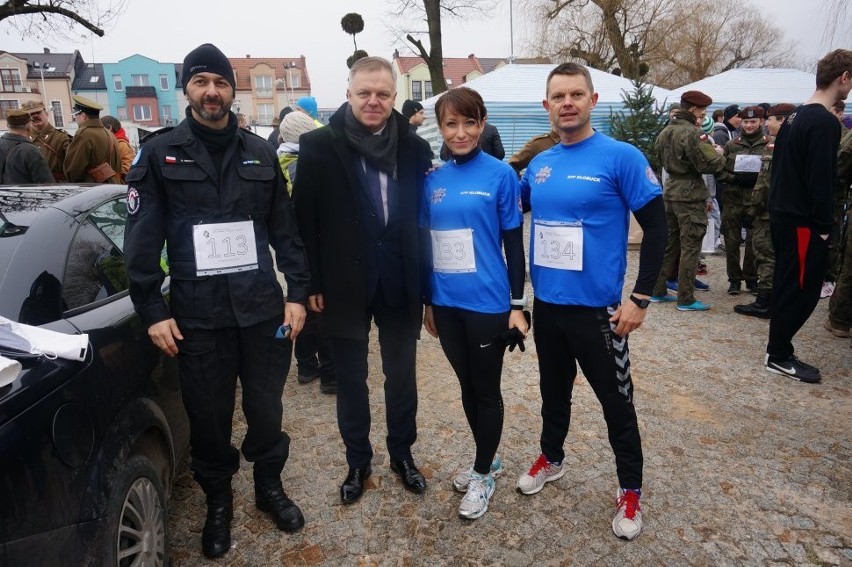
{"type": "Point", "coordinates": [641, 121]}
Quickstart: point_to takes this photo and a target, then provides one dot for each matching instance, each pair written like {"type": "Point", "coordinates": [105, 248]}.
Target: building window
{"type": "Point", "coordinates": [141, 113]}
{"type": "Point", "coordinates": [416, 90]}
{"type": "Point", "coordinates": [428, 87]}
{"type": "Point", "coordinates": [117, 83]}
{"type": "Point", "coordinates": [56, 107]}
{"type": "Point", "coordinates": [167, 114]}
{"type": "Point", "coordinates": [122, 112]}
{"type": "Point", "coordinates": [263, 85]}
{"type": "Point", "coordinates": [265, 113]}
{"type": "Point", "coordinates": [295, 78]}
{"type": "Point", "coordinates": [6, 106]}
{"type": "Point", "coordinates": [139, 80]}
{"type": "Point", "coordinates": [164, 82]}
{"type": "Point", "coordinates": [11, 79]}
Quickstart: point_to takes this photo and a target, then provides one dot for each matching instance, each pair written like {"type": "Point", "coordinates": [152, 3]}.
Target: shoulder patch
{"type": "Point", "coordinates": [136, 158]}
{"type": "Point", "coordinates": [652, 177]}
{"type": "Point", "coordinates": [133, 202]}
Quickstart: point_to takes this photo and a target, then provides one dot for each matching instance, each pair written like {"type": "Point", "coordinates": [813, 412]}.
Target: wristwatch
{"type": "Point", "coordinates": [642, 303]}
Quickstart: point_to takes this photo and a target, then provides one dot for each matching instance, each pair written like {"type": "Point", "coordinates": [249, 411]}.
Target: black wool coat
{"type": "Point", "coordinates": [331, 215]}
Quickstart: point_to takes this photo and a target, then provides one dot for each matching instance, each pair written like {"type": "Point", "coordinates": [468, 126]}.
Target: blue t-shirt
{"type": "Point", "coordinates": [476, 200]}
{"type": "Point", "coordinates": [582, 194]}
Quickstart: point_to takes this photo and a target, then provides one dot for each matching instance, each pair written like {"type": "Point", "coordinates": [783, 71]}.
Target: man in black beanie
{"type": "Point", "coordinates": [216, 195]}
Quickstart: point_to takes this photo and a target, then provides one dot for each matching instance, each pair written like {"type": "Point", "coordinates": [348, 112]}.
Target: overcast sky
{"type": "Point", "coordinates": [166, 30]}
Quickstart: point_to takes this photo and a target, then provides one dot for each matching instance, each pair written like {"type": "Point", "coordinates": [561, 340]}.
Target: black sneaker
{"type": "Point", "coordinates": [793, 368]}
{"type": "Point", "coordinates": [328, 387]}
{"type": "Point", "coordinates": [734, 288]}
{"type": "Point", "coordinates": [751, 286]}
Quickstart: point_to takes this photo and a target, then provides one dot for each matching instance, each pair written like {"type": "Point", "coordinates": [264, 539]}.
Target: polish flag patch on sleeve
{"type": "Point", "coordinates": [170, 159]}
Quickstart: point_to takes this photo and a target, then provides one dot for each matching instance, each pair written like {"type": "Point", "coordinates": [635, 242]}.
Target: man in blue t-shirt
{"type": "Point", "coordinates": [581, 193]}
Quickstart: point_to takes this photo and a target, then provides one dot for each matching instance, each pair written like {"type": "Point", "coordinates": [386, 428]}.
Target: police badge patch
{"type": "Point", "coordinates": [133, 202]}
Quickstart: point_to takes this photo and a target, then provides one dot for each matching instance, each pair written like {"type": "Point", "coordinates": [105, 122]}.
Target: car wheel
{"type": "Point", "coordinates": [137, 528]}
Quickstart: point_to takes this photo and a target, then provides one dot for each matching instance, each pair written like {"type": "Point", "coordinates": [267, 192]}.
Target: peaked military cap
{"type": "Point", "coordinates": [87, 105]}
{"type": "Point", "coordinates": [33, 106]}
{"type": "Point", "coordinates": [17, 118]}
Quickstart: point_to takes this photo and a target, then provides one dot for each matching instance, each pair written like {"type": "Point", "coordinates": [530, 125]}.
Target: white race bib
{"type": "Point", "coordinates": [558, 245]}
{"type": "Point", "coordinates": [452, 251]}
{"type": "Point", "coordinates": [747, 164]}
{"type": "Point", "coordinates": [224, 248]}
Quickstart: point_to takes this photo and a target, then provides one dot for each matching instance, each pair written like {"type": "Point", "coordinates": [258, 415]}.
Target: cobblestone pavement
{"type": "Point", "coordinates": [741, 466]}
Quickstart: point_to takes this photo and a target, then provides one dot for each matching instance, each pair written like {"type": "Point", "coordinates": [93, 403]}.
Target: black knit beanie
{"type": "Point", "coordinates": [207, 58]}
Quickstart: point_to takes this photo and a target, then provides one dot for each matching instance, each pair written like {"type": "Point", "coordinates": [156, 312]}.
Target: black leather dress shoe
{"type": "Point", "coordinates": [274, 501]}
{"type": "Point", "coordinates": [412, 478]}
{"type": "Point", "coordinates": [353, 487]}
{"type": "Point", "coordinates": [216, 535]}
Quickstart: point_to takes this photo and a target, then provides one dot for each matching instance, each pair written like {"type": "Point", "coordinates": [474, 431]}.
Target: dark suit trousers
{"type": "Point", "coordinates": [398, 345]}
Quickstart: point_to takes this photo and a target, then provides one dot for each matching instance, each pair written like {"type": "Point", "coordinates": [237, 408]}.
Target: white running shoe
{"type": "Point", "coordinates": [627, 522]}
{"type": "Point", "coordinates": [541, 472]}
{"type": "Point", "coordinates": [462, 478]}
{"type": "Point", "coordinates": [480, 489]}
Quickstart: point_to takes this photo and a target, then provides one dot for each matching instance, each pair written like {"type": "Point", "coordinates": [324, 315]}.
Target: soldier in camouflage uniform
{"type": "Point", "coordinates": [742, 165]}
{"type": "Point", "coordinates": [756, 220]}
{"type": "Point", "coordinates": [532, 148]}
{"type": "Point", "coordinates": [839, 321]}
{"type": "Point", "coordinates": [841, 197]}
{"type": "Point", "coordinates": [686, 153]}
{"type": "Point", "coordinates": [52, 142]}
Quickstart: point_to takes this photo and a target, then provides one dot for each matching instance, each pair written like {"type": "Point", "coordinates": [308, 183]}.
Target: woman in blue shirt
{"type": "Point", "coordinates": [472, 210]}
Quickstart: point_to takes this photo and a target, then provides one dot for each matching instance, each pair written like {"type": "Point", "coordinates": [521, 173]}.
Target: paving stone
{"type": "Point", "coordinates": [741, 466]}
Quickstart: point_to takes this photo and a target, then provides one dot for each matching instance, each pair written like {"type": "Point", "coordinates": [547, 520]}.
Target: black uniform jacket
{"type": "Point", "coordinates": [174, 185]}
{"type": "Point", "coordinates": [345, 242]}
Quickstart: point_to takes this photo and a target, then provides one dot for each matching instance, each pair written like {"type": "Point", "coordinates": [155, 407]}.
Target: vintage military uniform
{"type": "Point", "coordinates": [52, 142]}
{"type": "Point", "coordinates": [532, 148]}
{"type": "Point", "coordinates": [20, 160]}
{"type": "Point", "coordinates": [91, 146]}
{"type": "Point", "coordinates": [743, 163]}
{"type": "Point", "coordinates": [686, 153]}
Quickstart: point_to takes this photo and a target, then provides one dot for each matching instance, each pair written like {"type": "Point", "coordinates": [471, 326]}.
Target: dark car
{"type": "Point", "coordinates": [88, 450]}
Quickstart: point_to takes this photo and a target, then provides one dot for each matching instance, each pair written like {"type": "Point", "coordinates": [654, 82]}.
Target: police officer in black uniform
{"type": "Point", "coordinates": [216, 195]}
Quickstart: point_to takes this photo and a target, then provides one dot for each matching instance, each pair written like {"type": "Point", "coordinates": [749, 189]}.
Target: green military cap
{"type": "Point", "coordinates": [18, 118]}
{"type": "Point", "coordinates": [33, 106]}
{"type": "Point", "coordinates": [87, 105]}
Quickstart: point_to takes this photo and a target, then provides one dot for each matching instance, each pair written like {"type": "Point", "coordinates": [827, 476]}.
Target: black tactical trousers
{"type": "Point", "coordinates": [210, 361]}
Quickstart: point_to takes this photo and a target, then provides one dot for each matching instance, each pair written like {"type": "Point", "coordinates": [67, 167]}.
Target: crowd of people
{"type": "Point", "coordinates": [368, 230]}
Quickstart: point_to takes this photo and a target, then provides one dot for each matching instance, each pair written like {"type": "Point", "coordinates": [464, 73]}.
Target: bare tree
{"type": "Point", "coordinates": [610, 35]}
{"type": "Point", "coordinates": [838, 18]}
{"type": "Point", "coordinates": [431, 12]}
{"type": "Point", "coordinates": [693, 43]}
{"type": "Point", "coordinates": [50, 18]}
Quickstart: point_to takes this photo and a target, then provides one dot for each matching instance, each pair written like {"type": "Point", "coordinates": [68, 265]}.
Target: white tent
{"type": "Point", "coordinates": [753, 86]}
{"type": "Point", "coordinates": [513, 96]}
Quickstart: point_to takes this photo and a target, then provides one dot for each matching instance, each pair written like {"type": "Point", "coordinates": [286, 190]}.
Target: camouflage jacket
{"type": "Point", "coordinates": [686, 153]}
{"type": "Point", "coordinates": [760, 194]}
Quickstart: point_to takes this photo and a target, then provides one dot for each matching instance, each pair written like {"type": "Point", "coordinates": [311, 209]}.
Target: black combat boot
{"type": "Point", "coordinates": [270, 498]}
{"type": "Point", "coordinates": [759, 308]}
{"type": "Point", "coordinates": [216, 535]}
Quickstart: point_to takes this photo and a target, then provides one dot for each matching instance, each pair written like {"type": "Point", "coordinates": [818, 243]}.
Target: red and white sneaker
{"type": "Point", "coordinates": [539, 474]}
{"type": "Point", "coordinates": [627, 522]}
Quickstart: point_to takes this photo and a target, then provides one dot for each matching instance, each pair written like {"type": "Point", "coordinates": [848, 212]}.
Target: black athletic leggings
{"type": "Point", "coordinates": [568, 335]}
{"type": "Point", "coordinates": [468, 340]}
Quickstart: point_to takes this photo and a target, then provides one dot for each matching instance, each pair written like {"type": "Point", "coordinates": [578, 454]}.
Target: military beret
{"type": "Point", "coordinates": [33, 106]}
{"type": "Point", "coordinates": [695, 98]}
{"type": "Point", "coordinates": [750, 112]}
{"type": "Point", "coordinates": [17, 118]}
{"type": "Point", "coordinates": [781, 110]}
{"type": "Point", "coordinates": [87, 105]}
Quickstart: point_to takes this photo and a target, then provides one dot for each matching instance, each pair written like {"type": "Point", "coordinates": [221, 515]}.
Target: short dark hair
{"type": "Point", "coordinates": [717, 114]}
{"type": "Point", "coordinates": [832, 66]}
{"type": "Point", "coordinates": [112, 123]}
{"type": "Point", "coordinates": [839, 106]}
{"type": "Point", "coordinates": [570, 69]}
{"type": "Point", "coordinates": [462, 100]}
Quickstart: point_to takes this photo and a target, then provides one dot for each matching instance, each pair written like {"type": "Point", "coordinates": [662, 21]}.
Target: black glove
{"type": "Point", "coordinates": [746, 180]}
{"type": "Point", "coordinates": [513, 337]}
{"type": "Point", "coordinates": [748, 221]}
